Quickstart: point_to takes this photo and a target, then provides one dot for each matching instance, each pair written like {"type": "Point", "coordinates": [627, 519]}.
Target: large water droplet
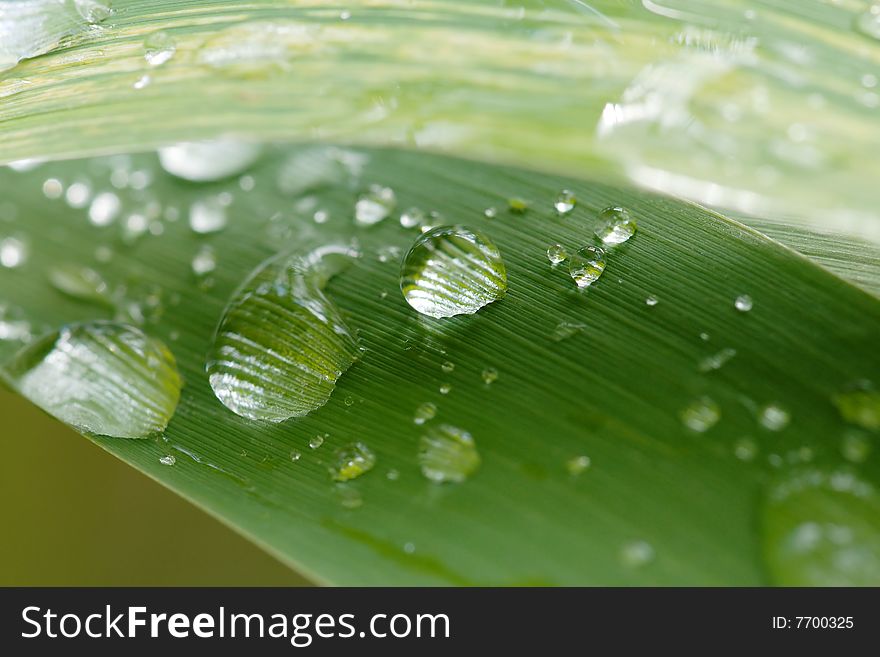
{"type": "Point", "coordinates": [452, 270]}
{"type": "Point", "coordinates": [616, 227]}
{"type": "Point", "coordinates": [205, 161]}
{"type": "Point", "coordinates": [104, 378]}
{"type": "Point", "coordinates": [352, 461]}
{"type": "Point", "coordinates": [587, 265]}
{"type": "Point", "coordinates": [448, 454]}
{"type": "Point", "coordinates": [859, 405]}
{"type": "Point", "coordinates": [281, 344]}
{"type": "Point", "coordinates": [374, 205]}
{"type": "Point", "coordinates": [821, 528]}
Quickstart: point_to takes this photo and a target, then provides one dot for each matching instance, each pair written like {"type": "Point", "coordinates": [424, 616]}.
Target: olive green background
{"type": "Point", "coordinates": [74, 515]}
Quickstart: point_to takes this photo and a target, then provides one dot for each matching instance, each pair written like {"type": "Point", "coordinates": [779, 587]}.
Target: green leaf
{"type": "Point", "coordinates": [586, 473]}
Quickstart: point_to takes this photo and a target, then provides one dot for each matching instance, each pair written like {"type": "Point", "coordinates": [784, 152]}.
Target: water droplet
{"type": "Point", "coordinates": [565, 202]}
{"type": "Point", "coordinates": [350, 498]}
{"type": "Point", "coordinates": [616, 227]}
{"type": "Point", "coordinates": [207, 216]}
{"type": "Point", "coordinates": [587, 265]}
{"type": "Point", "coordinates": [448, 454]}
{"type": "Point", "coordinates": [490, 213]}
{"type": "Point", "coordinates": [52, 188]}
{"type": "Point", "coordinates": [13, 324]}
{"type": "Point", "coordinates": [317, 441]}
{"type": "Point", "coordinates": [425, 412]}
{"type": "Point", "coordinates": [320, 167]}
{"type": "Point", "coordinates": [556, 253]}
{"type": "Point", "coordinates": [374, 205]}
{"type": "Point", "coordinates": [565, 330]}
{"type": "Point", "coordinates": [352, 461]}
{"type": "Point", "coordinates": [392, 475]}
{"type": "Point", "coordinates": [206, 161]}
{"type": "Point", "coordinates": [349, 400]}
{"type": "Point", "coordinates": [448, 366]}
{"type": "Point", "coordinates": [295, 455]}
{"type": "Point", "coordinates": [204, 261]}
{"type": "Point", "coordinates": [517, 205]}
{"type": "Point", "coordinates": [745, 449]}
{"type": "Point", "coordinates": [820, 528]}
{"type": "Point", "coordinates": [259, 49]}
{"type": "Point", "coordinates": [452, 270]}
{"type": "Point", "coordinates": [704, 337]}
{"type": "Point", "coordinates": [868, 22]}
{"type": "Point", "coordinates": [743, 303]}
{"type": "Point", "coordinates": [445, 389]}
{"type": "Point", "coordinates": [774, 417]}
{"type": "Point", "coordinates": [716, 361]}
{"type": "Point", "coordinates": [80, 283]}
{"type": "Point", "coordinates": [412, 218]}
{"type": "Point", "coordinates": [577, 464]}
{"type": "Point", "coordinates": [636, 554]}
{"type": "Point", "coordinates": [78, 195]}
{"type": "Point", "coordinates": [855, 447]}
{"type": "Point", "coordinates": [700, 415]}
{"type": "Point", "coordinates": [159, 47]}
{"type": "Point", "coordinates": [651, 301]}
{"type": "Point", "coordinates": [168, 460]}
{"type": "Point", "coordinates": [105, 378]}
{"type": "Point", "coordinates": [281, 344]}
{"type": "Point", "coordinates": [13, 252]}
{"type": "Point", "coordinates": [104, 209]}
{"type": "Point", "coordinates": [859, 405]}
{"type": "Point", "coordinates": [142, 82]}
{"type": "Point", "coordinates": [489, 375]}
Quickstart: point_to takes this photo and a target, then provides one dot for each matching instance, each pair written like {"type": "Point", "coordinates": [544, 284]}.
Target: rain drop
{"type": "Point", "coordinates": [556, 253]}
{"type": "Point", "coordinates": [374, 205]}
{"type": "Point", "coordinates": [352, 461]}
{"type": "Point", "coordinates": [586, 266]}
{"type": "Point", "coordinates": [565, 202]}
{"type": "Point", "coordinates": [700, 415]}
{"type": "Point", "coordinates": [743, 303]}
{"type": "Point", "coordinates": [617, 226]}
{"type": "Point", "coordinates": [448, 454]}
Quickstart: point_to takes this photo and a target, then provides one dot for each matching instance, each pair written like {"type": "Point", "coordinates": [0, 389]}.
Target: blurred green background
{"type": "Point", "coordinates": [83, 518]}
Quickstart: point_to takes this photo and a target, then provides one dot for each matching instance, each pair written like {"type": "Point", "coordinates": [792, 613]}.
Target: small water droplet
{"type": "Point", "coordinates": [80, 283]}
{"type": "Point", "coordinates": [448, 454]}
{"type": "Point", "coordinates": [586, 266]}
{"type": "Point", "coordinates": [717, 360]}
{"type": "Point", "coordinates": [168, 460]}
{"type": "Point", "coordinates": [617, 226]}
{"type": "Point", "coordinates": [295, 455]}
{"type": "Point", "coordinates": [409, 548]}
{"type": "Point", "coordinates": [577, 464]}
{"type": "Point", "coordinates": [392, 475]}
{"type": "Point", "coordinates": [78, 195]}
{"type": "Point", "coordinates": [206, 161]}
{"type": "Point", "coordinates": [142, 82]}
{"type": "Point", "coordinates": [14, 252]}
{"type": "Point", "coordinates": [52, 188]}
{"type": "Point", "coordinates": [636, 554]}
{"type": "Point", "coordinates": [317, 440]}
{"type": "Point", "coordinates": [425, 412]}
{"type": "Point", "coordinates": [490, 213]}
{"type": "Point", "coordinates": [704, 337]}
{"type": "Point", "coordinates": [517, 205]}
{"type": "Point", "coordinates": [105, 378]}
{"type": "Point", "coordinates": [774, 417]}
{"type": "Point", "coordinates": [204, 261]}
{"type": "Point", "coordinates": [448, 366]}
{"type": "Point", "coordinates": [651, 301]}
{"type": "Point", "coordinates": [700, 415]}
{"type": "Point", "coordinates": [445, 389]}
{"type": "Point", "coordinates": [489, 375]}
{"type": "Point", "coordinates": [565, 330]}
{"type": "Point", "coordinates": [352, 461]}
{"type": "Point", "coordinates": [159, 47]}
{"type": "Point", "coordinates": [104, 209]}
{"type": "Point", "coordinates": [14, 326]}
{"type": "Point", "coordinates": [374, 205]}
{"type": "Point", "coordinates": [350, 498]}
{"type": "Point", "coordinates": [556, 253]}
{"type": "Point", "coordinates": [859, 405]}
{"type": "Point", "coordinates": [565, 202]}
{"type": "Point", "coordinates": [820, 528]}
{"type": "Point", "coordinates": [452, 270]}
{"type": "Point", "coordinates": [207, 216]}
{"type": "Point", "coordinates": [412, 218]}
{"type": "Point", "coordinates": [743, 303]}
{"type": "Point", "coordinates": [745, 449]}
